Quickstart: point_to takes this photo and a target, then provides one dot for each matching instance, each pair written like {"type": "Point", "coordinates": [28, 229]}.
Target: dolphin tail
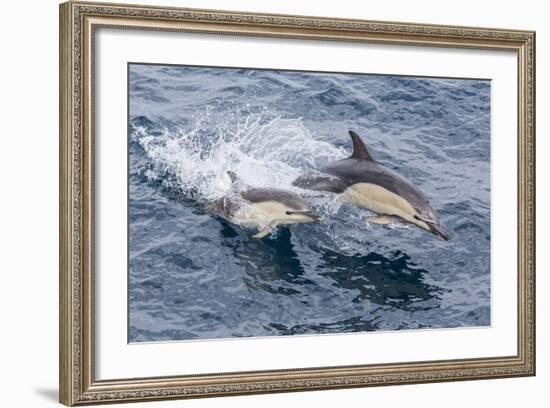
{"type": "Point", "coordinates": [320, 183]}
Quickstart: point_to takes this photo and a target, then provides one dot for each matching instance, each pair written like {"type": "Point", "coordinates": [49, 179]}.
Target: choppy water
{"type": "Point", "coordinates": [195, 276]}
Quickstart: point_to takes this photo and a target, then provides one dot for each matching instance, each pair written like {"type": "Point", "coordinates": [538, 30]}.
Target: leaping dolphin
{"type": "Point", "coordinates": [368, 184]}
{"type": "Point", "coordinates": [261, 208]}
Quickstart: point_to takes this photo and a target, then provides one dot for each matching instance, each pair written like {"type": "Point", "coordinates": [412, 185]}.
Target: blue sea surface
{"type": "Point", "coordinates": [193, 275]}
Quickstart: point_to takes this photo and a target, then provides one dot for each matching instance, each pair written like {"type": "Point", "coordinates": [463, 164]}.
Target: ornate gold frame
{"type": "Point", "coordinates": [78, 21]}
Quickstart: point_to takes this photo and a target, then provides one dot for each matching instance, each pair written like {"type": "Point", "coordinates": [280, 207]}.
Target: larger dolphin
{"type": "Point", "coordinates": [261, 208]}
{"type": "Point", "coordinates": [368, 184]}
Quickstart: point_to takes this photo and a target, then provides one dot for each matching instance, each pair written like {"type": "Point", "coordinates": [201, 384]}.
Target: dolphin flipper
{"type": "Point", "coordinates": [265, 231]}
{"type": "Point", "coordinates": [382, 219]}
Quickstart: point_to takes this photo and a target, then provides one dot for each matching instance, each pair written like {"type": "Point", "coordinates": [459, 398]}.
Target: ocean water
{"type": "Point", "coordinates": [193, 275]}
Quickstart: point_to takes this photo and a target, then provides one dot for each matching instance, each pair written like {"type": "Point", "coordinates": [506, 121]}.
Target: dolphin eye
{"type": "Point", "coordinates": [288, 213]}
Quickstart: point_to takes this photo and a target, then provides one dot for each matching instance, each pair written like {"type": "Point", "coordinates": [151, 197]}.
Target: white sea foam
{"type": "Point", "coordinates": [264, 149]}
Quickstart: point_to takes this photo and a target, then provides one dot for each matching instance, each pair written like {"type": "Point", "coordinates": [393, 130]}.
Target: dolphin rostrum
{"type": "Point", "coordinates": [368, 184]}
{"type": "Point", "coordinates": [261, 208]}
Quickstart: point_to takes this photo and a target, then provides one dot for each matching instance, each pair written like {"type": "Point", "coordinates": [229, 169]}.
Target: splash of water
{"type": "Point", "coordinates": [265, 150]}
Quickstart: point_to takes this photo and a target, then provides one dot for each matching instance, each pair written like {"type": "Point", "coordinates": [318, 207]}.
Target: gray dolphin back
{"type": "Point", "coordinates": [321, 182]}
{"type": "Point", "coordinates": [290, 200]}
{"type": "Point", "coordinates": [353, 171]}
{"type": "Point", "coordinates": [361, 167]}
{"type": "Point", "coordinates": [333, 178]}
{"type": "Point", "coordinates": [229, 205]}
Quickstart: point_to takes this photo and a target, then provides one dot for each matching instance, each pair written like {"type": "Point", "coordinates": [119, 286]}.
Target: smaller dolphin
{"type": "Point", "coordinates": [368, 184]}
{"type": "Point", "coordinates": [261, 208]}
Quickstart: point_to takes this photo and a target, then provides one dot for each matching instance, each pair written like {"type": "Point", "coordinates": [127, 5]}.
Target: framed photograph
{"type": "Point", "coordinates": [256, 203]}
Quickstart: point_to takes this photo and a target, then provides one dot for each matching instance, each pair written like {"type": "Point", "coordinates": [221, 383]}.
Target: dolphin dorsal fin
{"type": "Point", "coordinates": [359, 149]}
{"type": "Point", "coordinates": [233, 176]}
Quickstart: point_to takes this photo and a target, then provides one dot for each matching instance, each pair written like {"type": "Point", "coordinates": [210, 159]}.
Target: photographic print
{"type": "Point", "coordinates": [268, 202]}
{"type": "Point", "coordinates": [321, 203]}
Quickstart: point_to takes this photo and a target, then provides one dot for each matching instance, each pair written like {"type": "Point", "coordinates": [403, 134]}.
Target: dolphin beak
{"type": "Point", "coordinates": [438, 230]}
{"type": "Point", "coordinates": [314, 217]}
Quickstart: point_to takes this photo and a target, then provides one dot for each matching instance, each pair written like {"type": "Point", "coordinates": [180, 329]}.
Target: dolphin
{"type": "Point", "coordinates": [368, 184]}
{"type": "Point", "coordinates": [261, 208]}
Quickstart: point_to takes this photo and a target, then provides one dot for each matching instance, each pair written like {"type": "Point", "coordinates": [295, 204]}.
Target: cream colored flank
{"type": "Point", "coordinates": [267, 215]}
{"type": "Point", "coordinates": [382, 201]}
{"type": "Point", "coordinates": [382, 219]}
